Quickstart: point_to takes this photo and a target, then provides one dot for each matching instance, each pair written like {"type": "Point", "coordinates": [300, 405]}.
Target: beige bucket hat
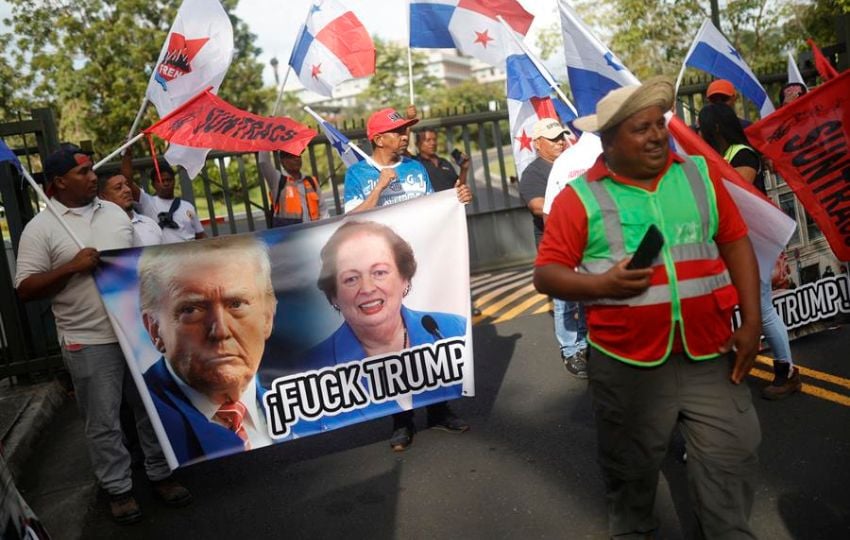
{"type": "Point", "coordinates": [623, 102]}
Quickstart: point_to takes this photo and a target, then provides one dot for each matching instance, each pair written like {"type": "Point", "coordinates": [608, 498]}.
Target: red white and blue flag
{"type": "Point", "coordinates": [528, 94]}
{"type": "Point", "coordinates": [333, 46]}
{"type": "Point", "coordinates": [594, 71]}
{"type": "Point", "coordinates": [196, 55]}
{"type": "Point", "coordinates": [470, 26]}
{"type": "Point", "coordinates": [711, 52]}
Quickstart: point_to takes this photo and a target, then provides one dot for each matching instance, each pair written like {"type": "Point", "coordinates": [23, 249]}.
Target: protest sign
{"type": "Point", "coordinates": [244, 341]}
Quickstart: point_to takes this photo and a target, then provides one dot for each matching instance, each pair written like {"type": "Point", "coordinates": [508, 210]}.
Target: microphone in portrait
{"type": "Point", "coordinates": [430, 326]}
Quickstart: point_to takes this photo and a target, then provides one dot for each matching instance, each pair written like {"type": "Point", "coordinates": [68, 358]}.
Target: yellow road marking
{"type": "Point", "coordinates": [494, 308]}
{"type": "Point", "coordinates": [484, 298]}
{"type": "Point", "coordinates": [537, 298]}
{"type": "Point", "coordinates": [807, 388]}
{"type": "Point", "coordinates": [543, 309]}
{"type": "Point", "coordinates": [812, 373]}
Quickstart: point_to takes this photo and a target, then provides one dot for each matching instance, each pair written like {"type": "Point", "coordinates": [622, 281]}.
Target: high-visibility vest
{"type": "Point", "coordinates": [289, 210]}
{"type": "Point", "coordinates": [690, 288]}
{"type": "Point", "coordinates": [730, 154]}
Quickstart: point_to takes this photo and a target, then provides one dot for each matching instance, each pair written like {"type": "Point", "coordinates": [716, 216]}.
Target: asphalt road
{"type": "Point", "coordinates": [525, 470]}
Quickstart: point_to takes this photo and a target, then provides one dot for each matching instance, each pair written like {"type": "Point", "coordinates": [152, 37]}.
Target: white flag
{"type": "Point", "coordinates": [196, 55]}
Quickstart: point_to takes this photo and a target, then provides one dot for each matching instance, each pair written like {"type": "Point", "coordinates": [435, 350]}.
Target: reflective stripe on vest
{"type": "Point", "coordinates": [291, 208]}
{"type": "Point", "coordinates": [688, 274]}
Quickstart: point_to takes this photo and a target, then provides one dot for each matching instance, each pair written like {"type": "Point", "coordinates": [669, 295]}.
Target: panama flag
{"type": "Point", "coordinates": [196, 55]}
{"type": "Point", "coordinates": [341, 144]}
{"type": "Point", "coordinates": [470, 26]}
{"type": "Point", "coordinates": [592, 68]}
{"type": "Point", "coordinates": [333, 46]}
{"type": "Point", "coordinates": [712, 53]}
{"type": "Point", "coordinates": [528, 94]}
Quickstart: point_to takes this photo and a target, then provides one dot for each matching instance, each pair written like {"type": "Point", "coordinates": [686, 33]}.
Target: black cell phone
{"type": "Point", "coordinates": [648, 249]}
{"type": "Point", "coordinates": [457, 155]}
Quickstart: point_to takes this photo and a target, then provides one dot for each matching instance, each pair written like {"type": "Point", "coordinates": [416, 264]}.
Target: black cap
{"type": "Point", "coordinates": [62, 161]}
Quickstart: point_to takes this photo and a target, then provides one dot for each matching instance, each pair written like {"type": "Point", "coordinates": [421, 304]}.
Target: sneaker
{"type": "Point", "coordinates": [401, 438]}
{"type": "Point", "coordinates": [576, 364]}
{"type": "Point", "coordinates": [783, 384]}
{"type": "Point", "coordinates": [172, 493]}
{"type": "Point", "coordinates": [476, 312]}
{"type": "Point", "coordinates": [446, 420]}
{"type": "Point", "coordinates": [124, 508]}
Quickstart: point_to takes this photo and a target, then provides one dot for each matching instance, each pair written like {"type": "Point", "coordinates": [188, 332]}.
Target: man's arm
{"type": "Point", "coordinates": [743, 269]}
{"type": "Point", "coordinates": [49, 283]}
{"type": "Point", "coordinates": [270, 174]}
{"type": "Point", "coordinates": [563, 282]}
{"type": "Point", "coordinates": [464, 168]}
{"type": "Point", "coordinates": [127, 171]}
{"type": "Point", "coordinates": [371, 201]}
{"type": "Point", "coordinates": [535, 206]}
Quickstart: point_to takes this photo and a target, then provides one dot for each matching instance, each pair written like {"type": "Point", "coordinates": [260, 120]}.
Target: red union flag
{"type": "Point", "coordinates": [807, 141]}
{"type": "Point", "coordinates": [207, 121]}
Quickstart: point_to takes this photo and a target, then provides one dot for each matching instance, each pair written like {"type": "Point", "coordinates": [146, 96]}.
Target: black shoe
{"type": "Point", "coordinates": [402, 437]}
{"type": "Point", "coordinates": [576, 364]}
{"type": "Point", "coordinates": [476, 312]}
{"type": "Point", "coordinates": [446, 420]}
{"type": "Point", "coordinates": [124, 508]}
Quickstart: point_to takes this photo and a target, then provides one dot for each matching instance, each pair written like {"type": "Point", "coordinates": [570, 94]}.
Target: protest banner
{"type": "Point", "coordinates": [207, 121]}
{"type": "Point", "coordinates": [244, 341]}
{"type": "Point", "coordinates": [807, 142]}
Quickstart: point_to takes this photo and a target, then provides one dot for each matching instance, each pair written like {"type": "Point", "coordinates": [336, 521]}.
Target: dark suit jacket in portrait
{"type": "Point", "coordinates": [191, 434]}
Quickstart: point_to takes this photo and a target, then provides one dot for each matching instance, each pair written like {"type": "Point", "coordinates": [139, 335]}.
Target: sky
{"type": "Point", "coordinates": [276, 23]}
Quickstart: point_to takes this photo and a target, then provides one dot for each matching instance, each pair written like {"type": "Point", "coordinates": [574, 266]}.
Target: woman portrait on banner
{"type": "Point", "coordinates": [367, 271]}
{"type": "Point", "coordinates": [720, 128]}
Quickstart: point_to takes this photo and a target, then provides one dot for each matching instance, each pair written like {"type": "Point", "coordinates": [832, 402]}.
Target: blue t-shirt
{"type": "Point", "coordinates": [411, 182]}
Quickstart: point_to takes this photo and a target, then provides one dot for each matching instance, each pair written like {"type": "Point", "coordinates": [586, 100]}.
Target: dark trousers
{"type": "Point", "coordinates": [636, 411]}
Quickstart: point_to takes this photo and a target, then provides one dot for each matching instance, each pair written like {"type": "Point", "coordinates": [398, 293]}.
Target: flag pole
{"type": "Point", "coordinates": [50, 206]}
{"type": "Point", "coordinates": [351, 144]}
{"type": "Point", "coordinates": [139, 115]}
{"type": "Point", "coordinates": [688, 55]}
{"type": "Point", "coordinates": [120, 149]}
{"type": "Point", "coordinates": [409, 58]}
{"type": "Point", "coordinates": [280, 90]}
{"type": "Point", "coordinates": [289, 62]}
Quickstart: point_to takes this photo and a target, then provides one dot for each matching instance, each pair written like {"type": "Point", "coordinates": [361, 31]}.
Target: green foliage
{"type": "Point", "coordinates": [388, 87]}
{"type": "Point", "coordinates": [467, 97]}
{"type": "Point", "coordinates": [90, 60]}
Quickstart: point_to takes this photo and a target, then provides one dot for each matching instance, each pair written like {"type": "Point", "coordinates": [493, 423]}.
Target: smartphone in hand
{"type": "Point", "coordinates": [648, 249]}
{"type": "Point", "coordinates": [457, 155]}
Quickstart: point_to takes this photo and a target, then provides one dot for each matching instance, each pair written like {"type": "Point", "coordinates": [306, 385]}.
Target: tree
{"type": "Point", "coordinates": [90, 60]}
{"type": "Point", "coordinates": [388, 87]}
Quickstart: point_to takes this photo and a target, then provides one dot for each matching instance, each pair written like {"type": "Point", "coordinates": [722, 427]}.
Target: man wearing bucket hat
{"type": "Point", "coordinates": [399, 178]}
{"type": "Point", "coordinates": [663, 350]}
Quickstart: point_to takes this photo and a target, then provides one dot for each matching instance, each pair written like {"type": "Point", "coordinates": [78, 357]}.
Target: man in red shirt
{"type": "Point", "coordinates": [661, 335]}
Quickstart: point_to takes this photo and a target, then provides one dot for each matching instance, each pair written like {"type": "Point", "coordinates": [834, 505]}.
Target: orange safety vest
{"type": "Point", "coordinates": [690, 287]}
{"type": "Point", "coordinates": [290, 211]}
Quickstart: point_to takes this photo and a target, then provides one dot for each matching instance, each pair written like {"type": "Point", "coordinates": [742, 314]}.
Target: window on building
{"type": "Point", "coordinates": [788, 204]}
{"type": "Point", "coordinates": [812, 229]}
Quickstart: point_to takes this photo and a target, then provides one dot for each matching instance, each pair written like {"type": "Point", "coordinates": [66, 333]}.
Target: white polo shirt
{"type": "Point", "coordinates": [146, 232]}
{"type": "Point", "coordinates": [78, 310]}
{"type": "Point", "coordinates": [186, 217]}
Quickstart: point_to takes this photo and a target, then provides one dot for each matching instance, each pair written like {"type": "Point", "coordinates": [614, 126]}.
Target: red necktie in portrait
{"type": "Point", "coordinates": [231, 415]}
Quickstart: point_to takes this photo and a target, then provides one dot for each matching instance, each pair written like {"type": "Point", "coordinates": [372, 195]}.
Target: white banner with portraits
{"type": "Point", "coordinates": [239, 342]}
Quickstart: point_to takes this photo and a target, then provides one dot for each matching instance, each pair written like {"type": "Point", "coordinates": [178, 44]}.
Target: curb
{"type": "Point", "coordinates": [45, 399]}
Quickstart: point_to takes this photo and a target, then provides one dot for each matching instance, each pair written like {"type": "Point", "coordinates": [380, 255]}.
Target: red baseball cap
{"type": "Point", "coordinates": [722, 87]}
{"type": "Point", "coordinates": [386, 120]}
